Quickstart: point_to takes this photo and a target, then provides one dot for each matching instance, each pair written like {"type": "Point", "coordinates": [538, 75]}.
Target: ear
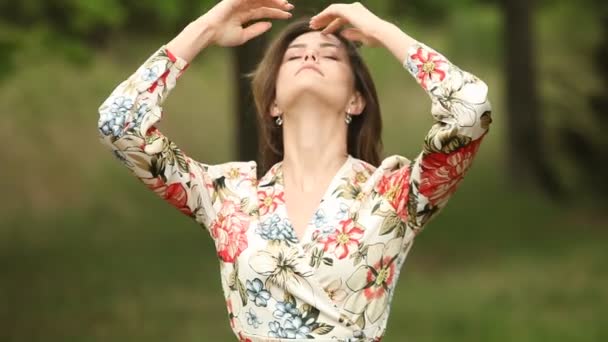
{"type": "Point", "coordinates": [356, 104]}
{"type": "Point", "coordinates": [274, 110]}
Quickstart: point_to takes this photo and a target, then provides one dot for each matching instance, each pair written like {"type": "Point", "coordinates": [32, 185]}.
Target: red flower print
{"type": "Point", "coordinates": [346, 236]}
{"type": "Point", "coordinates": [395, 189]}
{"type": "Point", "coordinates": [431, 66]}
{"type": "Point", "coordinates": [156, 184]}
{"type": "Point", "coordinates": [441, 173]}
{"type": "Point", "coordinates": [229, 231]}
{"type": "Point", "coordinates": [177, 196]}
{"type": "Point", "coordinates": [174, 193]}
{"type": "Point", "coordinates": [382, 278]}
{"type": "Point", "coordinates": [268, 200]}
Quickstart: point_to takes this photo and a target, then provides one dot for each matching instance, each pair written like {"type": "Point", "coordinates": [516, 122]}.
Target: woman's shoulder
{"type": "Point", "coordinates": [389, 164]}
{"type": "Point", "coordinates": [374, 178]}
{"type": "Point", "coordinates": [232, 170]}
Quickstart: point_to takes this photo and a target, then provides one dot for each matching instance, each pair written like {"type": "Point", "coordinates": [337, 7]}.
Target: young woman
{"type": "Point", "coordinates": [313, 249]}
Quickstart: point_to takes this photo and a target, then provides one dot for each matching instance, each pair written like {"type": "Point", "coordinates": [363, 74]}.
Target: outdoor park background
{"type": "Point", "coordinates": [89, 254]}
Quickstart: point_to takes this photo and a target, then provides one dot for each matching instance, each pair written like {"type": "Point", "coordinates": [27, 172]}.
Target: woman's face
{"type": "Point", "coordinates": [315, 67]}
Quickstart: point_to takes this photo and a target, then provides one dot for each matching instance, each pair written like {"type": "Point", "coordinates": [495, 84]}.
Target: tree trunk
{"type": "Point", "coordinates": [527, 160]}
{"type": "Point", "coordinates": [245, 58]}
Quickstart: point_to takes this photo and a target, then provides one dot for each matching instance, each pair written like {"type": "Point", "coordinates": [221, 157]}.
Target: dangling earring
{"type": "Point", "coordinates": [279, 120]}
{"type": "Point", "coordinates": [348, 118]}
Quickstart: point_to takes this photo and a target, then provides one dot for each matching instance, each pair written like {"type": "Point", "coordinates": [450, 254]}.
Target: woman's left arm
{"type": "Point", "coordinates": [462, 113]}
{"type": "Point", "coordinates": [459, 105]}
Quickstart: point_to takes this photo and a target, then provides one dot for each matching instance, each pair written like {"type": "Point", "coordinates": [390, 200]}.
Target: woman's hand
{"type": "Point", "coordinates": [224, 25]}
{"type": "Point", "coordinates": [366, 25]}
{"type": "Point", "coordinates": [366, 28]}
{"type": "Point", "coordinates": [227, 19]}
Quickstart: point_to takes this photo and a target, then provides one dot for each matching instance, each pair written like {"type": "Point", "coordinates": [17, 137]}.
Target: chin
{"type": "Point", "coordinates": [310, 89]}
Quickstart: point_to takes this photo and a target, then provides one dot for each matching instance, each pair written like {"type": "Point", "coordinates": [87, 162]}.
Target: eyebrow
{"type": "Point", "coordinates": [304, 45]}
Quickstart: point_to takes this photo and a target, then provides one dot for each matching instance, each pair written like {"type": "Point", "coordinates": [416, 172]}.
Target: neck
{"type": "Point", "coordinates": [314, 147]}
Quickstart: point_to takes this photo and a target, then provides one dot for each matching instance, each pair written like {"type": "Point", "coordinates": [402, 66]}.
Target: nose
{"type": "Point", "coordinates": [311, 54]}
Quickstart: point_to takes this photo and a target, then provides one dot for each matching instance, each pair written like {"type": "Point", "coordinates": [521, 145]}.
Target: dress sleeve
{"type": "Point", "coordinates": [418, 190]}
{"type": "Point", "coordinates": [127, 120]}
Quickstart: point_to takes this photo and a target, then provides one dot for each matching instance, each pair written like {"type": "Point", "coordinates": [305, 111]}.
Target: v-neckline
{"type": "Point", "coordinates": [322, 200]}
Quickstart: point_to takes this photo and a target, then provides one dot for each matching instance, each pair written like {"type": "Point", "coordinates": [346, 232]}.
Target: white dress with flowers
{"type": "Point", "coordinates": [336, 284]}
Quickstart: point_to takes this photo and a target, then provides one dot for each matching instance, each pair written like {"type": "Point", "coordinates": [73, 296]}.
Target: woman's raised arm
{"type": "Point", "coordinates": [128, 117]}
{"type": "Point", "coordinates": [459, 104]}
{"type": "Point", "coordinates": [462, 113]}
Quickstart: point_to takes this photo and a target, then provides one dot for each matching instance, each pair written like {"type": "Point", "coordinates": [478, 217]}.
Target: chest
{"type": "Point", "coordinates": [300, 208]}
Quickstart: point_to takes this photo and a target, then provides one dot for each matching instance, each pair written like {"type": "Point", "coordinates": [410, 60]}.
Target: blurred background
{"type": "Point", "coordinates": [87, 253]}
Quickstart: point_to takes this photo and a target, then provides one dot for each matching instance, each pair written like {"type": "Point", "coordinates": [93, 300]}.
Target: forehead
{"type": "Point", "coordinates": [316, 39]}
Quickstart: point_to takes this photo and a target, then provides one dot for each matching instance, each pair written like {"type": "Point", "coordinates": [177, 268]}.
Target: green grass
{"type": "Point", "coordinates": [88, 254]}
{"type": "Point", "coordinates": [475, 274]}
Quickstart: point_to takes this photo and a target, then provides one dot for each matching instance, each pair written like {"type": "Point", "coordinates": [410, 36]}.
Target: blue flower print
{"type": "Point", "coordinates": [141, 111]}
{"type": "Point", "coordinates": [121, 106]}
{"type": "Point", "coordinates": [342, 213]}
{"type": "Point", "coordinates": [320, 219]}
{"type": "Point", "coordinates": [256, 292]}
{"type": "Point", "coordinates": [286, 310]}
{"type": "Point", "coordinates": [253, 319]}
{"type": "Point", "coordinates": [411, 66]}
{"type": "Point", "coordinates": [276, 330]}
{"type": "Point", "coordinates": [295, 328]}
{"type": "Point", "coordinates": [150, 74]}
{"type": "Point", "coordinates": [274, 228]}
{"type": "Point", "coordinates": [112, 121]}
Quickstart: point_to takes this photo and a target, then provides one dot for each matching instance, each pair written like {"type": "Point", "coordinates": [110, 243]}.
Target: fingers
{"type": "Point", "coordinates": [356, 35]}
{"type": "Point", "coordinates": [328, 15]}
{"type": "Point", "coordinates": [353, 34]}
{"type": "Point", "coordinates": [266, 13]}
{"type": "Point", "coordinates": [334, 26]}
{"type": "Point", "coordinates": [279, 4]}
{"type": "Point", "coordinates": [255, 30]}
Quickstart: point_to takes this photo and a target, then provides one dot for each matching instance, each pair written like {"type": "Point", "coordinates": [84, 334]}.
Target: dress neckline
{"type": "Point", "coordinates": [326, 194]}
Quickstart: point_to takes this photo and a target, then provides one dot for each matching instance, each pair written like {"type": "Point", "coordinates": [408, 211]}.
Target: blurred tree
{"type": "Point", "coordinates": [527, 160]}
{"type": "Point", "coordinates": [245, 58]}
{"type": "Point", "coordinates": [587, 146]}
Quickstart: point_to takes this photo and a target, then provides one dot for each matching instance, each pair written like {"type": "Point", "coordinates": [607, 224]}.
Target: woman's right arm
{"type": "Point", "coordinates": [128, 117]}
{"type": "Point", "coordinates": [127, 120]}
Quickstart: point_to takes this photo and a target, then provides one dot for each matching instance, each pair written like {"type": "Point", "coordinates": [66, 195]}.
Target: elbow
{"type": "Point", "coordinates": [481, 103]}
{"type": "Point", "coordinates": [484, 110]}
{"type": "Point", "coordinates": [106, 123]}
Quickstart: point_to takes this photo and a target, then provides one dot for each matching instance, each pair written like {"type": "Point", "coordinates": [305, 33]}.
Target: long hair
{"type": "Point", "coordinates": [364, 132]}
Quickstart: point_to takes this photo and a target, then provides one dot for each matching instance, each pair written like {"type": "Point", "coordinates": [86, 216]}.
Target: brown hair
{"type": "Point", "coordinates": [364, 131]}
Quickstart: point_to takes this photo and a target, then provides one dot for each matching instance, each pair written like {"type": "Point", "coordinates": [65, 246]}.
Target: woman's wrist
{"type": "Point", "coordinates": [394, 39]}
{"type": "Point", "coordinates": [192, 39]}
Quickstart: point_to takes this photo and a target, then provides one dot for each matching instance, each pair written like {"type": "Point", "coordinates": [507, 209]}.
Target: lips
{"type": "Point", "coordinates": [311, 67]}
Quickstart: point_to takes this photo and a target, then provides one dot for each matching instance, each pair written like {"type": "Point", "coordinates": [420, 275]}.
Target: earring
{"type": "Point", "coordinates": [279, 120]}
{"type": "Point", "coordinates": [348, 118]}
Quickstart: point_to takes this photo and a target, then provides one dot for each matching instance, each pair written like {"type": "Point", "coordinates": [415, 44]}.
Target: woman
{"type": "Point", "coordinates": [313, 249]}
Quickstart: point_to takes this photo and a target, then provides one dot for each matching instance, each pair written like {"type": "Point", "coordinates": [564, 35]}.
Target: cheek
{"type": "Point", "coordinates": [345, 74]}
{"type": "Point", "coordinates": [283, 84]}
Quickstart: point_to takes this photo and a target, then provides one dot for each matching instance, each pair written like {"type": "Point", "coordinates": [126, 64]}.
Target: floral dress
{"type": "Point", "coordinates": [336, 282]}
